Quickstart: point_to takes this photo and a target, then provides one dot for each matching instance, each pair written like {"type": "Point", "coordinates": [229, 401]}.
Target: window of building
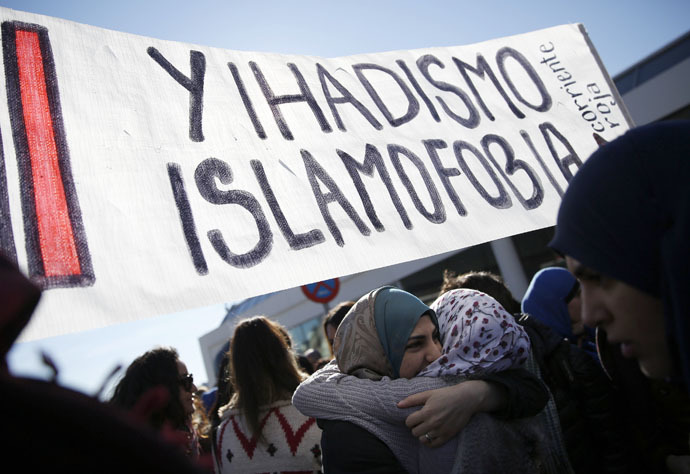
{"type": "Point", "coordinates": [309, 335]}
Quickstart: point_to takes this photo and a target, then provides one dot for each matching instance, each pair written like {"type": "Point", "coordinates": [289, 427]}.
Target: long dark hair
{"type": "Point", "coordinates": [155, 368]}
{"type": "Point", "coordinates": [223, 395]}
{"type": "Point", "coordinates": [262, 368]}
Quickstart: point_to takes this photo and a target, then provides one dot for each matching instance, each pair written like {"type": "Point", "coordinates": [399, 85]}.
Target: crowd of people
{"type": "Point", "coordinates": [588, 373]}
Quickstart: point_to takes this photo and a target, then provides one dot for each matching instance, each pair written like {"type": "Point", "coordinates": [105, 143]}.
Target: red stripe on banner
{"type": "Point", "coordinates": [56, 238]}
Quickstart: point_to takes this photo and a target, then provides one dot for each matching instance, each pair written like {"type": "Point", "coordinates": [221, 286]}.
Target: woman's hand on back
{"type": "Point", "coordinates": [447, 410]}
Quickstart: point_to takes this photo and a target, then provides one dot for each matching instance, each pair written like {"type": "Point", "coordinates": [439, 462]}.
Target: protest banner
{"type": "Point", "coordinates": [141, 177]}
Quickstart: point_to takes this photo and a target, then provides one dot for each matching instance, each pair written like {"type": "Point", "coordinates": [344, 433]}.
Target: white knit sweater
{"type": "Point", "coordinates": [292, 442]}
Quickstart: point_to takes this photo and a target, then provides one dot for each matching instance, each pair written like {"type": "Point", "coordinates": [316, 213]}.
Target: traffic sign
{"type": "Point", "coordinates": [322, 291]}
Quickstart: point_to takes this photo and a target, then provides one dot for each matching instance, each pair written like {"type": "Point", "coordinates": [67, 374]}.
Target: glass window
{"type": "Point", "coordinates": [309, 335]}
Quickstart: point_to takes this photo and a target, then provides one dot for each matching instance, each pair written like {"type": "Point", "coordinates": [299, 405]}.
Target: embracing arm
{"type": "Point", "coordinates": [332, 395]}
{"type": "Point", "coordinates": [509, 394]}
{"type": "Point", "coordinates": [526, 394]}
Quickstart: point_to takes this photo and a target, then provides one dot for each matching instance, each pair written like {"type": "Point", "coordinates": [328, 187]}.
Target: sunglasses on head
{"type": "Point", "coordinates": [186, 381]}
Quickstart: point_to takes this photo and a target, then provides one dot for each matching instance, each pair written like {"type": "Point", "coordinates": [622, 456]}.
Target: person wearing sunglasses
{"type": "Point", "coordinates": [159, 379]}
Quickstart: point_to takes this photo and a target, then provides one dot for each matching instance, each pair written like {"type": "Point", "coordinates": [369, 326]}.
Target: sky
{"type": "Point", "coordinates": [622, 32]}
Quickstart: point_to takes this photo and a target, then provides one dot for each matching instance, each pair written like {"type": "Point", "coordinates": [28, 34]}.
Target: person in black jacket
{"type": "Point", "coordinates": [658, 411]}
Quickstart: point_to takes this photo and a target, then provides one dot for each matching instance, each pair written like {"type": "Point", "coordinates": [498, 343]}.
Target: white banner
{"type": "Point", "coordinates": [142, 177]}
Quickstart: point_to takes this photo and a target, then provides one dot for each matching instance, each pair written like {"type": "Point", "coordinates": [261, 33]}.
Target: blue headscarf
{"type": "Point", "coordinates": [626, 214]}
{"type": "Point", "coordinates": [396, 313]}
{"type": "Point", "coordinates": [547, 300]}
{"type": "Point", "coordinates": [546, 296]}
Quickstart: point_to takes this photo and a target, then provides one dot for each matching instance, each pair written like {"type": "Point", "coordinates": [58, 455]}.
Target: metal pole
{"type": "Point", "coordinates": [510, 266]}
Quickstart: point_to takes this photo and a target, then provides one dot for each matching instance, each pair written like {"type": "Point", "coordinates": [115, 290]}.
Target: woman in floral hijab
{"type": "Point", "coordinates": [479, 336]}
{"type": "Point", "coordinates": [370, 344]}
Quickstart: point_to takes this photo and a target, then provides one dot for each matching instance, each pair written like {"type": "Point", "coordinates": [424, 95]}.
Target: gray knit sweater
{"type": "Point", "coordinates": [485, 445]}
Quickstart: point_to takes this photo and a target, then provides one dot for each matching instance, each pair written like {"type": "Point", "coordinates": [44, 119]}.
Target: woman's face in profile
{"type": "Point", "coordinates": [187, 389]}
{"type": "Point", "coordinates": [422, 348]}
{"type": "Point", "coordinates": [631, 318]}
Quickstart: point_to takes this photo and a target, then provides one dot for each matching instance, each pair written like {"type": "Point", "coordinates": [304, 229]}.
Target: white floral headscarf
{"type": "Point", "coordinates": [479, 336]}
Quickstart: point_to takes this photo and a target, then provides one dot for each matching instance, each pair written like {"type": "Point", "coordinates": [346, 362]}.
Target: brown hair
{"type": "Point", "coordinates": [486, 282]}
{"type": "Point", "coordinates": [157, 367]}
{"type": "Point", "coordinates": [334, 317]}
{"type": "Point", "coordinates": [262, 368]}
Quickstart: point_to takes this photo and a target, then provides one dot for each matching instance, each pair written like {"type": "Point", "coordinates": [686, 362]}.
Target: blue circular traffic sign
{"type": "Point", "coordinates": [322, 291]}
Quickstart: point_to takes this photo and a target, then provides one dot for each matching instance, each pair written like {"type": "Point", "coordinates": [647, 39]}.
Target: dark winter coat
{"type": "Point", "coordinates": [656, 412]}
{"type": "Point", "coordinates": [593, 432]}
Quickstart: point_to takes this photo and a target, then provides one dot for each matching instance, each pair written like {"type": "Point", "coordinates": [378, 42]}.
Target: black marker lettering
{"type": "Point", "coordinates": [187, 218]}
{"type": "Point", "coordinates": [501, 57]}
{"type": "Point", "coordinates": [512, 165]}
{"type": "Point", "coordinates": [445, 173]}
{"type": "Point", "coordinates": [612, 124]}
{"type": "Point", "coordinates": [553, 65]}
{"type": "Point", "coordinates": [481, 70]}
{"type": "Point", "coordinates": [296, 242]}
{"type": "Point", "coordinates": [373, 160]}
{"type": "Point", "coordinates": [547, 130]}
{"type": "Point", "coordinates": [7, 247]}
{"type": "Point", "coordinates": [473, 118]}
{"type": "Point", "coordinates": [316, 173]}
{"type": "Point", "coordinates": [438, 216]}
{"type": "Point", "coordinates": [345, 97]}
{"type": "Point", "coordinates": [502, 201]}
{"type": "Point", "coordinates": [418, 89]}
{"type": "Point", "coordinates": [544, 49]}
{"type": "Point", "coordinates": [274, 101]}
{"type": "Point", "coordinates": [552, 179]}
{"type": "Point", "coordinates": [205, 175]}
{"type": "Point", "coordinates": [413, 104]}
{"type": "Point", "coordinates": [195, 86]}
{"type": "Point", "coordinates": [247, 101]}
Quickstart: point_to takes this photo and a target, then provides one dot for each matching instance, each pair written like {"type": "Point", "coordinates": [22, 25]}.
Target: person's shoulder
{"type": "Point", "coordinates": [538, 332]}
{"type": "Point", "coordinates": [286, 409]}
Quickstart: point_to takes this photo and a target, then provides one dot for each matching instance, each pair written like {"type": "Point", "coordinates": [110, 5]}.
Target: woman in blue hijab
{"type": "Point", "coordinates": [624, 227]}
{"type": "Point", "coordinates": [553, 298]}
{"type": "Point", "coordinates": [379, 340]}
{"type": "Point", "coordinates": [387, 339]}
